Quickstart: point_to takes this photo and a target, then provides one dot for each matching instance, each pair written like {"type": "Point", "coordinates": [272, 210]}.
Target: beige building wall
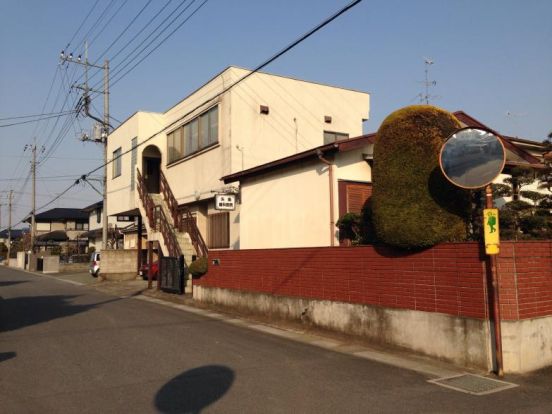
{"type": "Point", "coordinates": [120, 196]}
{"type": "Point", "coordinates": [295, 122]}
{"type": "Point", "coordinates": [291, 206]}
{"type": "Point", "coordinates": [296, 118]}
{"type": "Point", "coordinates": [57, 226]}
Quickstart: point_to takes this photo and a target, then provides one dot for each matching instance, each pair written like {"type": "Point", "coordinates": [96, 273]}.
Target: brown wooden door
{"type": "Point", "coordinates": [352, 198]}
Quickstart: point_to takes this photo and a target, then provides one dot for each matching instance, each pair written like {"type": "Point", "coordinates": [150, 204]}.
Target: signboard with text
{"type": "Point", "coordinates": [225, 202]}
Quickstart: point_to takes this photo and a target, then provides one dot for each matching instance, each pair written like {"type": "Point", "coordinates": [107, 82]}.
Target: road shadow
{"type": "Point", "coordinates": [4, 356]}
{"type": "Point", "coordinates": [5, 283]}
{"type": "Point", "coordinates": [20, 312]}
{"type": "Point", "coordinates": [193, 390]}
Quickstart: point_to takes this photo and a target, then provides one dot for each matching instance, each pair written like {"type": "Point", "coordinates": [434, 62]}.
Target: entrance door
{"type": "Point", "coordinates": [152, 177]}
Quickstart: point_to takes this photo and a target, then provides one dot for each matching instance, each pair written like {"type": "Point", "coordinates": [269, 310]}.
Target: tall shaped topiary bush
{"type": "Point", "coordinates": [414, 205]}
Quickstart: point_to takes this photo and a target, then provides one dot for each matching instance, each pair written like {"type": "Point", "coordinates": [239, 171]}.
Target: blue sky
{"type": "Point", "coordinates": [493, 59]}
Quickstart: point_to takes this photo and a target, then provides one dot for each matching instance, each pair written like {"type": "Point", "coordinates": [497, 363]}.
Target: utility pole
{"type": "Point", "coordinates": [33, 196]}
{"type": "Point", "coordinates": [106, 132]}
{"type": "Point", "coordinates": [10, 196]}
{"type": "Point", "coordinates": [104, 122]}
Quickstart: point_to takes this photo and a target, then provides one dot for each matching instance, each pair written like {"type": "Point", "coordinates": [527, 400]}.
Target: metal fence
{"type": "Point", "coordinates": [171, 274]}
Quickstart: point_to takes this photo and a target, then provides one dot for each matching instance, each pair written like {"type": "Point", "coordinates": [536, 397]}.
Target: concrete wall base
{"type": "Point", "coordinates": [118, 276]}
{"type": "Point", "coordinates": [527, 344]}
{"type": "Point", "coordinates": [73, 267]}
{"type": "Point", "coordinates": [118, 264]}
{"type": "Point", "coordinates": [460, 340]}
{"type": "Point", "coordinates": [50, 264]}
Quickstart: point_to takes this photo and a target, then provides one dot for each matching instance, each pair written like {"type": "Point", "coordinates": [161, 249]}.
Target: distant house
{"type": "Point", "coordinates": [95, 227]}
{"type": "Point", "coordinates": [16, 234]}
{"type": "Point", "coordinates": [63, 228]}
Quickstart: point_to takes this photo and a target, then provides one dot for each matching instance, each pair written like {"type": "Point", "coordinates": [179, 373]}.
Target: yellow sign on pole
{"type": "Point", "coordinates": [492, 235]}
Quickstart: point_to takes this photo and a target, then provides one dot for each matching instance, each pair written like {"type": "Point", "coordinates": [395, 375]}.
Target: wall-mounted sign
{"type": "Point", "coordinates": [225, 202]}
{"type": "Point", "coordinates": [492, 235]}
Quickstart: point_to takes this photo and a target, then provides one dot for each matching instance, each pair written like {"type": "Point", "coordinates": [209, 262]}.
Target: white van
{"type": "Point", "coordinates": [94, 268]}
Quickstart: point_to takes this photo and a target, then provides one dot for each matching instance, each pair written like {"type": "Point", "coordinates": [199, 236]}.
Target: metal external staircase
{"type": "Point", "coordinates": [174, 228]}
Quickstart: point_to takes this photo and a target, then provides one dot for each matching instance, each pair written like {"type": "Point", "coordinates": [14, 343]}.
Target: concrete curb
{"type": "Point", "coordinates": [412, 363]}
{"type": "Point", "coordinates": [432, 369]}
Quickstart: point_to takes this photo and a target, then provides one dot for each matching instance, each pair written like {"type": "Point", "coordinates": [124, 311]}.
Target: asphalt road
{"type": "Point", "coordinates": [71, 349]}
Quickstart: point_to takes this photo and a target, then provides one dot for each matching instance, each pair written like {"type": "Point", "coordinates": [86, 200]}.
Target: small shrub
{"type": "Point", "coordinates": [199, 267]}
{"type": "Point", "coordinates": [350, 228]}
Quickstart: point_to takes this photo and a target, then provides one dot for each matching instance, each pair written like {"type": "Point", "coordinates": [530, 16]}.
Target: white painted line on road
{"type": "Point", "coordinates": [58, 278]}
{"type": "Point", "coordinates": [407, 363]}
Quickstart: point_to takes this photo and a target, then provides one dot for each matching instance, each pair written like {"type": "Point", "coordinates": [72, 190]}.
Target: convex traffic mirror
{"type": "Point", "coordinates": [472, 158]}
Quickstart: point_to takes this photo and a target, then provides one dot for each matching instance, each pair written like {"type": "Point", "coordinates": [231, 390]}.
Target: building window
{"type": "Point", "coordinates": [330, 136]}
{"type": "Point", "coordinates": [81, 226]}
{"type": "Point", "coordinates": [133, 157]}
{"type": "Point", "coordinates": [124, 218]}
{"type": "Point", "coordinates": [218, 230]}
{"type": "Point", "coordinates": [116, 162]}
{"type": "Point", "coordinates": [201, 132]}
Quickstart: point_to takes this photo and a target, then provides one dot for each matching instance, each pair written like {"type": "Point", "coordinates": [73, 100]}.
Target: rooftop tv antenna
{"type": "Point", "coordinates": [425, 97]}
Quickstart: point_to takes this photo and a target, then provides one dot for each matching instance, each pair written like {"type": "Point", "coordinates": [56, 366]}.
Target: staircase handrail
{"type": "Point", "coordinates": [170, 199]}
{"type": "Point", "coordinates": [183, 218]}
{"type": "Point", "coordinates": [189, 225]}
{"type": "Point", "coordinates": [146, 199]}
{"type": "Point", "coordinates": [168, 235]}
{"type": "Point", "coordinates": [157, 219]}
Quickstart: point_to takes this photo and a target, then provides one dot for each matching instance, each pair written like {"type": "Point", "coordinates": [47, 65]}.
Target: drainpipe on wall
{"type": "Point", "coordinates": [330, 179]}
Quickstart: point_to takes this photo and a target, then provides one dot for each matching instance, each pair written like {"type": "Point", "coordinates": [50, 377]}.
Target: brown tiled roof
{"type": "Point", "coordinates": [510, 143]}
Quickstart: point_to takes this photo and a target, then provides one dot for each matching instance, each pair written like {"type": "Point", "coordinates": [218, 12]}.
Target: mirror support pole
{"type": "Point", "coordinates": [492, 274]}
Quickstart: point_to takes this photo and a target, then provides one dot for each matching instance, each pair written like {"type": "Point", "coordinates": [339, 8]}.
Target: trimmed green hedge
{"type": "Point", "coordinates": [414, 206]}
{"type": "Point", "coordinates": [199, 267]}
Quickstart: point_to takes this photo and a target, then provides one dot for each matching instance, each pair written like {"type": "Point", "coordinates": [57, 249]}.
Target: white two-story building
{"type": "Point", "coordinates": [178, 157]}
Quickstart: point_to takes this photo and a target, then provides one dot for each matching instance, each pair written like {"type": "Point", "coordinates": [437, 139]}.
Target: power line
{"type": "Point", "coordinates": [118, 69]}
{"type": "Point", "coordinates": [30, 116]}
{"type": "Point", "coordinates": [131, 40]}
{"type": "Point", "coordinates": [162, 41]}
{"type": "Point", "coordinates": [102, 30]}
{"type": "Point", "coordinates": [60, 114]}
{"type": "Point", "coordinates": [120, 66]}
{"type": "Point", "coordinates": [80, 26]}
{"type": "Point", "coordinates": [228, 88]}
{"type": "Point", "coordinates": [94, 25]}
{"type": "Point", "coordinates": [124, 31]}
{"type": "Point", "coordinates": [240, 80]}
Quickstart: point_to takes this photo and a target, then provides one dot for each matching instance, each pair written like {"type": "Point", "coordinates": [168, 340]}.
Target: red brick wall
{"type": "Point", "coordinates": [525, 274]}
{"type": "Point", "coordinates": [449, 278]}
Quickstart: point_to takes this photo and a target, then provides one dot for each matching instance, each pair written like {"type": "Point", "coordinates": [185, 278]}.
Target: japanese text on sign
{"type": "Point", "coordinates": [225, 202]}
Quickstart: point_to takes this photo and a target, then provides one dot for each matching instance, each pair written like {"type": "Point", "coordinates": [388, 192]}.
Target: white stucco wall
{"type": "Point", "coordinates": [295, 121]}
{"type": "Point", "coordinates": [290, 207]}
{"type": "Point", "coordinates": [120, 197]}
